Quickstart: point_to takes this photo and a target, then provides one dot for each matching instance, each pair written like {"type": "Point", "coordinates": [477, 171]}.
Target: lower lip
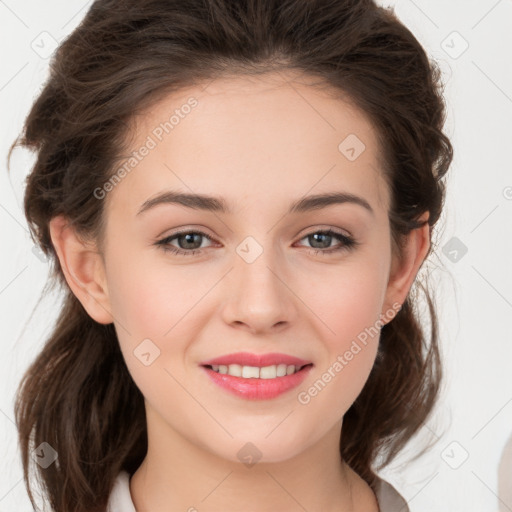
{"type": "Point", "coordinates": [258, 389]}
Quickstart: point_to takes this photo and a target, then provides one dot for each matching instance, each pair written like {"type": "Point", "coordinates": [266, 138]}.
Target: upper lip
{"type": "Point", "coordinates": [261, 360]}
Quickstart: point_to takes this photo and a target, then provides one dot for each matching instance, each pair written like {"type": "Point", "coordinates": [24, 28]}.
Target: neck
{"type": "Point", "coordinates": [179, 475]}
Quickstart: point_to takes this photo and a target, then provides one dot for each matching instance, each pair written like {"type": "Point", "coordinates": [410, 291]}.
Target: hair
{"type": "Point", "coordinates": [78, 395]}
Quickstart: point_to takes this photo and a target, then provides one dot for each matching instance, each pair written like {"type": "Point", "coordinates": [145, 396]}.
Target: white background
{"type": "Point", "coordinates": [474, 417]}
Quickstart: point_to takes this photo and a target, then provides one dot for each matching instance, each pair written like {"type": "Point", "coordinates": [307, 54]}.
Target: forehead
{"type": "Point", "coordinates": [252, 135]}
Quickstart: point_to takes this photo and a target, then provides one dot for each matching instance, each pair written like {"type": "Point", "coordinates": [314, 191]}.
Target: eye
{"type": "Point", "coordinates": [321, 240]}
{"type": "Point", "coordinates": [189, 242]}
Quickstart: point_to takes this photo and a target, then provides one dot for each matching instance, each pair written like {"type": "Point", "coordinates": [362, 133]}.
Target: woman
{"type": "Point", "coordinates": [237, 198]}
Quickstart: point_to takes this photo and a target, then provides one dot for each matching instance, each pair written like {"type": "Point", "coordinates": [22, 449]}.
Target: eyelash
{"type": "Point", "coordinates": [348, 244]}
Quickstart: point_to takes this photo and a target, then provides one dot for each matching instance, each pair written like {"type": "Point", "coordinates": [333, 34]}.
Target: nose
{"type": "Point", "coordinates": [258, 297]}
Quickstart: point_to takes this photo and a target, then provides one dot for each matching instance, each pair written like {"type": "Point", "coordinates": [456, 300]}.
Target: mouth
{"type": "Point", "coordinates": [256, 372]}
{"type": "Point", "coordinates": [257, 377]}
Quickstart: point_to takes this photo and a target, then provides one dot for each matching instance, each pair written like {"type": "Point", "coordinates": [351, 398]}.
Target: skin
{"type": "Point", "coordinates": [260, 143]}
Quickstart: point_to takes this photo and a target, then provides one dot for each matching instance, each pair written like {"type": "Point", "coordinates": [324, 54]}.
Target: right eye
{"type": "Point", "coordinates": [189, 240]}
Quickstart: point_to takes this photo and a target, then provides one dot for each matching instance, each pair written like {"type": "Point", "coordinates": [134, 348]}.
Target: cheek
{"type": "Point", "coordinates": [150, 297]}
{"type": "Point", "coordinates": [158, 309]}
{"type": "Point", "coordinates": [349, 357]}
{"type": "Point", "coordinates": [351, 303]}
{"type": "Point", "coordinates": [338, 383]}
{"type": "Point", "coordinates": [349, 309]}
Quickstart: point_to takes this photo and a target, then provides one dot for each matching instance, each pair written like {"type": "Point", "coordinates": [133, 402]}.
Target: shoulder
{"type": "Point", "coordinates": [389, 499]}
{"type": "Point", "coordinates": [120, 499]}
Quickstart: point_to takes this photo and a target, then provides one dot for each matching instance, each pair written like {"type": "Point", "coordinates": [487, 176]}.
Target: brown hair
{"type": "Point", "coordinates": [78, 395]}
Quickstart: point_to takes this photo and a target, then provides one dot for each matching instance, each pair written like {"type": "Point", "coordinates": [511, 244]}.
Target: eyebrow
{"type": "Point", "coordinates": [219, 205]}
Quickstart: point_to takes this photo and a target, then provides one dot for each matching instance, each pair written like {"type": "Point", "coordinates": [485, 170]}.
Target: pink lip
{"type": "Point", "coordinates": [248, 359]}
{"type": "Point", "coordinates": [257, 389]}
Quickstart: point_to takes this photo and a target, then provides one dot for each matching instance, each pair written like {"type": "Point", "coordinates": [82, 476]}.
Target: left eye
{"type": "Point", "coordinates": [326, 237]}
{"type": "Point", "coordinates": [189, 242]}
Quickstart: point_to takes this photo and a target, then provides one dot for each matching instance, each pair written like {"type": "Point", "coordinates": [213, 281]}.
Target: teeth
{"type": "Point", "coordinates": [255, 372]}
{"type": "Point", "coordinates": [268, 372]}
{"type": "Point", "coordinates": [281, 370]}
{"type": "Point", "coordinates": [249, 372]}
{"type": "Point", "coordinates": [236, 370]}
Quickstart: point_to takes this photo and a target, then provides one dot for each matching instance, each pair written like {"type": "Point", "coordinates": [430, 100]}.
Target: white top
{"type": "Point", "coordinates": [120, 500]}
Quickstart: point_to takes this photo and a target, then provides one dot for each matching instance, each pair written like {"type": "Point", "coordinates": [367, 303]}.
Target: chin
{"type": "Point", "coordinates": [250, 449]}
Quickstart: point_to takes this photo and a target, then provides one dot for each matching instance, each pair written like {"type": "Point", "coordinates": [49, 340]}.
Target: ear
{"type": "Point", "coordinates": [405, 266]}
{"type": "Point", "coordinates": [83, 269]}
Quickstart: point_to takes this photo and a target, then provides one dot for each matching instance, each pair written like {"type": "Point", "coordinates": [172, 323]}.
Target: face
{"type": "Point", "coordinates": [311, 283]}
